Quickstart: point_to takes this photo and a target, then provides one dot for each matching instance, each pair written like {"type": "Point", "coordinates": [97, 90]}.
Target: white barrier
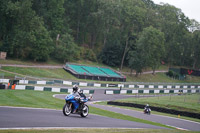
{"type": "Point", "coordinates": [20, 87]}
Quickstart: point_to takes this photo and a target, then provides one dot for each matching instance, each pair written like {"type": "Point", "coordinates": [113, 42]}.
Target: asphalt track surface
{"type": "Point", "coordinates": [16, 117]}
{"type": "Point", "coordinates": [170, 121]}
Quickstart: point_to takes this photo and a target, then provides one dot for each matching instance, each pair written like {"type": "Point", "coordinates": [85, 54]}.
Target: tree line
{"type": "Point", "coordinates": [132, 33]}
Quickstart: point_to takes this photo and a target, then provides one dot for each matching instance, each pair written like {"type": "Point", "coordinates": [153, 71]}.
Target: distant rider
{"type": "Point", "coordinates": [147, 108]}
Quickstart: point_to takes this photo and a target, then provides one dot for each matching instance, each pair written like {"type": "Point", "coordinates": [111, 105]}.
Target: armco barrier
{"type": "Point", "coordinates": [52, 89]}
{"type": "Point", "coordinates": [170, 111]}
{"type": "Point", "coordinates": [163, 91]}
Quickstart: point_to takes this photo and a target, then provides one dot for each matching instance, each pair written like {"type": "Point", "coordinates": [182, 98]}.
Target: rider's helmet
{"type": "Point", "coordinates": [75, 88]}
{"type": "Point", "coordinates": [147, 105]}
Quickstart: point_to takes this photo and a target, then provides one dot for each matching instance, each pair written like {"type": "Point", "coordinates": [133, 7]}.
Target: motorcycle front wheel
{"type": "Point", "coordinates": [67, 110]}
{"type": "Point", "coordinates": [85, 110]}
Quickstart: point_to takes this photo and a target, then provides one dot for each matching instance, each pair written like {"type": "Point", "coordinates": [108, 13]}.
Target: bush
{"type": "Point", "coordinates": [88, 54]}
{"type": "Point", "coordinates": [170, 74]}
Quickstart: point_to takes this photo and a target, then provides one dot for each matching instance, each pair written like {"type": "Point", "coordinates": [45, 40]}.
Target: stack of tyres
{"type": "Point", "coordinates": [2, 86]}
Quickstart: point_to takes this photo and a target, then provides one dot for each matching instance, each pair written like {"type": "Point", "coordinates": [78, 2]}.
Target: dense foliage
{"type": "Point", "coordinates": [135, 33]}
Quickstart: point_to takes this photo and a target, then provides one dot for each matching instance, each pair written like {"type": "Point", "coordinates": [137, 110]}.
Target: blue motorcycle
{"type": "Point", "coordinates": [75, 105]}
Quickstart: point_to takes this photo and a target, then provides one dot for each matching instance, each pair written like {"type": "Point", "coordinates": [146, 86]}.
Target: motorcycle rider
{"type": "Point", "coordinates": [75, 91]}
{"type": "Point", "coordinates": [77, 94]}
{"type": "Point", "coordinates": [146, 108]}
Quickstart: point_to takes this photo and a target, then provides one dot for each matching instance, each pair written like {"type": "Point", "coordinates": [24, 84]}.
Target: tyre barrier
{"type": "Point", "coordinates": [52, 89]}
{"type": "Point", "coordinates": [2, 86]}
{"type": "Point", "coordinates": [158, 109]}
{"type": "Point", "coordinates": [163, 91]}
{"type": "Point", "coordinates": [137, 85]}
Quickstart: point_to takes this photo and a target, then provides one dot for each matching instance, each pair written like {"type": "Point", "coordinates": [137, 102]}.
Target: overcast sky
{"type": "Point", "coordinates": [191, 8]}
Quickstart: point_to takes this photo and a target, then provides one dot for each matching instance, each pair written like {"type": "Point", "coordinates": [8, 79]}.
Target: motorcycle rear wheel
{"type": "Point", "coordinates": [67, 110]}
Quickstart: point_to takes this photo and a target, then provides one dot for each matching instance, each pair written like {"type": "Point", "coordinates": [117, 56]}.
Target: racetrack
{"type": "Point", "coordinates": [16, 117]}
{"type": "Point", "coordinates": [174, 122]}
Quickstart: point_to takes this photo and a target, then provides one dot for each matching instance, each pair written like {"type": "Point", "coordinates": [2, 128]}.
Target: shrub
{"type": "Point", "coordinates": [170, 74]}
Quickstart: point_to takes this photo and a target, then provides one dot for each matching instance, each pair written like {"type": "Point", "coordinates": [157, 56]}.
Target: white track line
{"type": "Point", "coordinates": [178, 128]}
{"type": "Point", "coordinates": [40, 128]}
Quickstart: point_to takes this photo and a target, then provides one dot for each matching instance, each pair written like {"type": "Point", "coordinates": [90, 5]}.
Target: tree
{"type": "Point", "coordinates": [41, 46]}
{"type": "Point", "coordinates": [131, 22]}
{"type": "Point", "coordinates": [108, 17]}
{"type": "Point", "coordinates": [66, 50]}
{"type": "Point", "coordinates": [196, 49]}
{"type": "Point", "coordinates": [111, 53]}
{"type": "Point", "coordinates": [53, 13]}
{"type": "Point", "coordinates": [27, 34]}
{"type": "Point", "coordinates": [174, 25]}
{"type": "Point", "coordinates": [194, 25]}
{"type": "Point", "coordinates": [136, 61]}
{"type": "Point", "coordinates": [151, 44]}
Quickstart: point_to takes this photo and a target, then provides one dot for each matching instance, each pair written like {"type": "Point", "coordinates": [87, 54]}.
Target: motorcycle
{"type": "Point", "coordinates": [147, 111]}
{"type": "Point", "coordinates": [76, 106]}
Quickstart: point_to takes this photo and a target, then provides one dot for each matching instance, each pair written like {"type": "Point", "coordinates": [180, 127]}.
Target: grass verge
{"type": "Point", "coordinates": [161, 77]}
{"type": "Point", "coordinates": [29, 98]}
{"type": "Point", "coordinates": [58, 73]}
{"type": "Point", "coordinates": [40, 72]}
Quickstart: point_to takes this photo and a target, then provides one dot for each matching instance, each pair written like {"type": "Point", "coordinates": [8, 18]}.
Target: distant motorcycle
{"type": "Point", "coordinates": [75, 106]}
{"type": "Point", "coordinates": [147, 111]}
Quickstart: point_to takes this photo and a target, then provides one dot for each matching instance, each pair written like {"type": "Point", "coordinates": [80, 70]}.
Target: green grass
{"type": "Point", "coordinates": [161, 77]}
{"type": "Point", "coordinates": [189, 102]}
{"type": "Point", "coordinates": [49, 62]}
{"type": "Point", "coordinates": [89, 130]}
{"type": "Point", "coordinates": [29, 62]}
{"type": "Point", "coordinates": [7, 74]}
{"type": "Point", "coordinates": [38, 99]}
{"type": "Point", "coordinates": [28, 98]}
{"type": "Point", "coordinates": [58, 73]}
{"type": "Point", "coordinates": [40, 72]}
